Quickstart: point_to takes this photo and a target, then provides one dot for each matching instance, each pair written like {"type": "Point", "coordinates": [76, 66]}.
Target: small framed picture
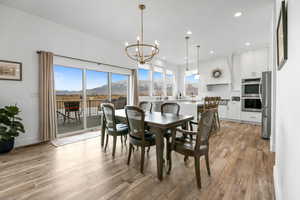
{"type": "Point", "coordinates": [282, 41]}
{"type": "Point", "coordinates": [10, 70]}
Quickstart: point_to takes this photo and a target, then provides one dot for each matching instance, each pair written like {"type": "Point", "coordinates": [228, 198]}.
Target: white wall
{"type": "Point", "coordinates": [21, 35]}
{"type": "Point", "coordinates": [287, 176]}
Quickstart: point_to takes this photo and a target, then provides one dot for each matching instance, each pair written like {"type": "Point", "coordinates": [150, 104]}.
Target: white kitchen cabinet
{"type": "Point", "coordinates": [234, 110]}
{"type": "Point", "coordinates": [223, 110]}
{"type": "Point", "coordinates": [253, 63]}
{"type": "Point", "coordinates": [254, 117]}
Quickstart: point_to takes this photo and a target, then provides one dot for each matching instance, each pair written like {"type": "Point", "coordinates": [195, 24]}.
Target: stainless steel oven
{"type": "Point", "coordinates": [251, 104]}
{"type": "Point", "coordinates": [251, 87]}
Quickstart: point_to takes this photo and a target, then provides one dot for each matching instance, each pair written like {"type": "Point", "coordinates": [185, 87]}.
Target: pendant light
{"type": "Point", "coordinates": [198, 62]}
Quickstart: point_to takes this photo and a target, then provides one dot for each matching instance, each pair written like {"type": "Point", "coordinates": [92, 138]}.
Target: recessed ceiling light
{"type": "Point", "coordinates": [189, 32]}
{"type": "Point", "coordinates": [212, 52]}
{"type": "Point", "coordinates": [164, 57]}
{"type": "Point", "coordinates": [247, 43]}
{"type": "Point", "coordinates": [238, 14]}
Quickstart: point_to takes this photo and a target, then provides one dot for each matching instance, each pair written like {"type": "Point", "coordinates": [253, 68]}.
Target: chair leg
{"type": "Point", "coordinates": [142, 159]}
{"type": "Point", "coordinates": [207, 163]}
{"type": "Point", "coordinates": [114, 146]}
{"type": "Point", "coordinates": [125, 138]}
{"type": "Point", "coordinates": [170, 161]}
{"type": "Point", "coordinates": [122, 139]}
{"type": "Point", "coordinates": [148, 149]}
{"type": "Point", "coordinates": [218, 118]}
{"type": "Point", "coordinates": [106, 143]}
{"type": "Point", "coordinates": [197, 170]}
{"type": "Point", "coordinates": [191, 126]}
{"type": "Point", "coordinates": [168, 148]}
{"type": "Point", "coordinates": [186, 158]}
{"type": "Point", "coordinates": [129, 155]}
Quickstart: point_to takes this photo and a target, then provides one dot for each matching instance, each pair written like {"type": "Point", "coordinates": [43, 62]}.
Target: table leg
{"type": "Point", "coordinates": [102, 130]}
{"type": "Point", "coordinates": [159, 139]}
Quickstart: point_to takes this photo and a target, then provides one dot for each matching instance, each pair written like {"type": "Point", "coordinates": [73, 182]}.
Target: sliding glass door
{"type": "Point", "coordinates": [69, 98]}
{"type": "Point", "coordinates": [119, 90]}
{"type": "Point", "coordinates": [97, 92]}
{"type": "Point", "coordinates": [79, 94]}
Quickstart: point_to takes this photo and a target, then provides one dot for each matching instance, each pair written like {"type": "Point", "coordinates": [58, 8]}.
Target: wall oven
{"type": "Point", "coordinates": [251, 104]}
{"type": "Point", "coordinates": [251, 87]}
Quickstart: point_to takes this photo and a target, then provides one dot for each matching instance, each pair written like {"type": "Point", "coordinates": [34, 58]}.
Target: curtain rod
{"type": "Point", "coordinates": [89, 61]}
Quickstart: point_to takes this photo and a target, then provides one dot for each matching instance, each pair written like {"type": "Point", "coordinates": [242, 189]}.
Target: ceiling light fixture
{"type": "Point", "coordinates": [212, 52]}
{"type": "Point", "coordinates": [189, 32]}
{"type": "Point", "coordinates": [140, 51]}
{"type": "Point", "coordinates": [247, 44]}
{"type": "Point", "coordinates": [198, 62]}
{"type": "Point", "coordinates": [238, 14]}
{"type": "Point", "coordinates": [187, 52]}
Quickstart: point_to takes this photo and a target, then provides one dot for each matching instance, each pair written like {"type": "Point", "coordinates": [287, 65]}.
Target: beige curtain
{"type": "Point", "coordinates": [47, 97]}
{"type": "Point", "coordinates": [135, 88]}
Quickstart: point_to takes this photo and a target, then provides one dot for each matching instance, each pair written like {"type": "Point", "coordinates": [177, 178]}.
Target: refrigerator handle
{"type": "Point", "coordinates": [260, 89]}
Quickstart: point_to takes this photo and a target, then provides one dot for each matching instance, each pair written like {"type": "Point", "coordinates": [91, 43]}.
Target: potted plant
{"type": "Point", "coordinates": [10, 127]}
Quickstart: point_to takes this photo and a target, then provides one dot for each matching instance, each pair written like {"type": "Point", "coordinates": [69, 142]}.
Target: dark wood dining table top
{"type": "Point", "coordinates": [159, 120]}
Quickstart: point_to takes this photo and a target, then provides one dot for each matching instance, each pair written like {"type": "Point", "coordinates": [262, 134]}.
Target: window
{"type": "Point", "coordinates": [158, 82]}
{"type": "Point", "coordinates": [144, 82]}
{"type": "Point", "coordinates": [119, 90]}
{"type": "Point", "coordinates": [191, 84]}
{"type": "Point", "coordinates": [169, 83]}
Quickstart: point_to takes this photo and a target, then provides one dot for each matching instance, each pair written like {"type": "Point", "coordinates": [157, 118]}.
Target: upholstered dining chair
{"type": "Point", "coordinates": [173, 108]}
{"type": "Point", "coordinates": [146, 106]}
{"type": "Point", "coordinates": [194, 147]}
{"type": "Point", "coordinates": [138, 136]}
{"type": "Point", "coordinates": [112, 127]}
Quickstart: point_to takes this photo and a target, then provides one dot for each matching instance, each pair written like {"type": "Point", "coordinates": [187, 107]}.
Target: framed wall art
{"type": "Point", "coordinates": [282, 40]}
{"type": "Point", "coordinates": [10, 70]}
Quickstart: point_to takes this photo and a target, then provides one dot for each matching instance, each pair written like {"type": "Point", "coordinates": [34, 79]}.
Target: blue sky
{"type": "Point", "coordinates": [67, 78]}
{"type": "Point", "coordinates": [144, 74]}
{"type": "Point", "coordinates": [191, 79]}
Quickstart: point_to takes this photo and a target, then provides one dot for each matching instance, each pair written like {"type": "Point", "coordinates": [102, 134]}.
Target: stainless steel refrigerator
{"type": "Point", "coordinates": [266, 99]}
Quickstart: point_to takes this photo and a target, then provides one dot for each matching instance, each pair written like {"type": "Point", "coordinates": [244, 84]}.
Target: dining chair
{"type": "Point", "coordinates": [173, 108]}
{"type": "Point", "coordinates": [72, 106]}
{"type": "Point", "coordinates": [112, 127]}
{"type": "Point", "coordinates": [138, 136]}
{"type": "Point", "coordinates": [194, 147]}
{"type": "Point", "coordinates": [146, 106]}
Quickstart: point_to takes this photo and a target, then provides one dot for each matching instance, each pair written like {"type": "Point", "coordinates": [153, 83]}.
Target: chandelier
{"type": "Point", "coordinates": [198, 62]}
{"type": "Point", "coordinates": [140, 51]}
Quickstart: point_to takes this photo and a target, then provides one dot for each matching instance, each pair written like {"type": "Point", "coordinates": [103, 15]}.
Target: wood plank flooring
{"type": "Point", "coordinates": [241, 166]}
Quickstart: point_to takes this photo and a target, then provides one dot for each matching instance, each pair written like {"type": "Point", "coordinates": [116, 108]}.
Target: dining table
{"type": "Point", "coordinates": [158, 123]}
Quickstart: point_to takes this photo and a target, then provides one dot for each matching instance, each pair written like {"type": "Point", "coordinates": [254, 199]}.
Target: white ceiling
{"type": "Point", "coordinates": [211, 22]}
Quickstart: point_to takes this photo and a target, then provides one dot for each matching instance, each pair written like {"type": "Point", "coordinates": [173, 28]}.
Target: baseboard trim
{"type": "Point", "coordinates": [276, 184]}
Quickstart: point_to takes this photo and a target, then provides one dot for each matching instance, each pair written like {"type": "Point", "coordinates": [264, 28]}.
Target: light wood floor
{"type": "Point", "coordinates": [241, 166]}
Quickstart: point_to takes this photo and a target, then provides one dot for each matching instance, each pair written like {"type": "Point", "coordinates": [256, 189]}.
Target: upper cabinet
{"type": "Point", "coordinates": [254, 62]}
{"type": "Point", "coordinates": [249, 64]}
